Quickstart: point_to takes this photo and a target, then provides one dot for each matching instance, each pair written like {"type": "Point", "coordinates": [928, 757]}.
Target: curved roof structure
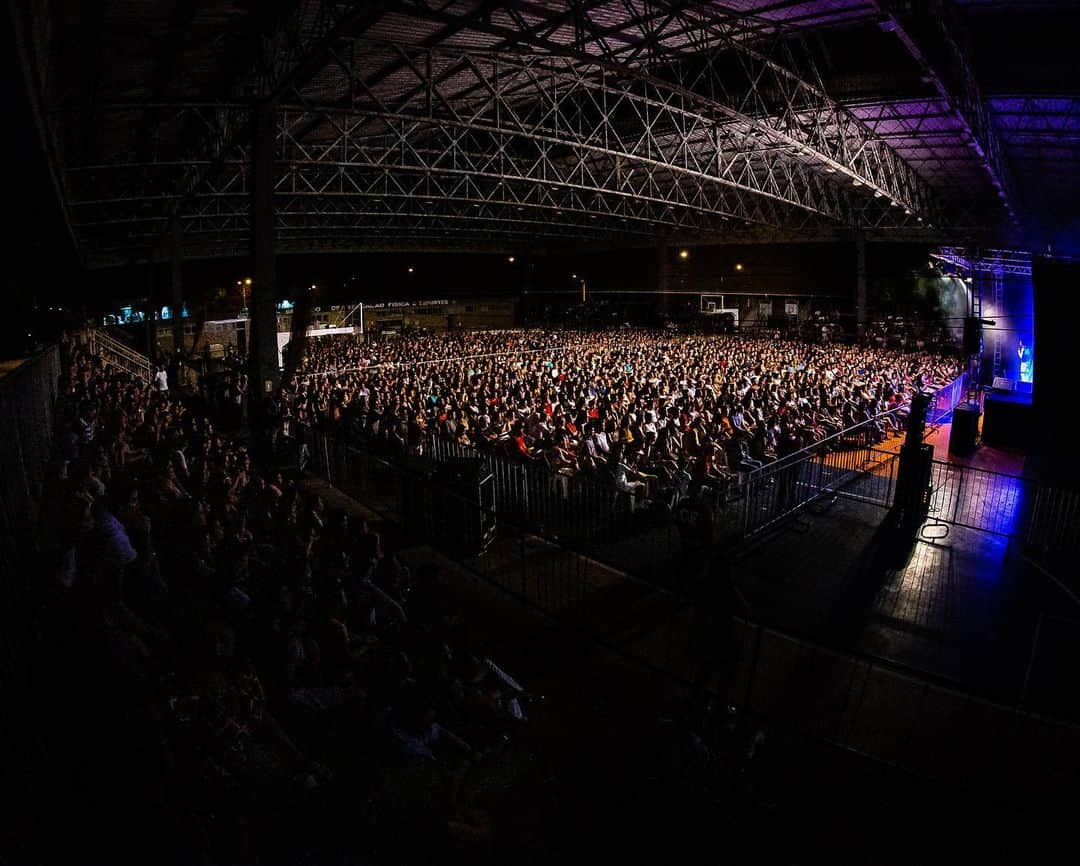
{"type": "Point", "coordinates": [496, 123]}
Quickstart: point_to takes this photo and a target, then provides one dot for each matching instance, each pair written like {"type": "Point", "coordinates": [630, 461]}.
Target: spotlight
{"type": "Point", "coordinates": [684, 254]}
{"type": "Point", "coordinates": [738, 267]}
{"type": "Point", "coordinates": [856, 182]}
{"type": "Point", "coordinates": [877, 193]}
{"type": "Point", "coordinates": [510, 259]}
{"type": "Point", "coordinates": [411, 270]}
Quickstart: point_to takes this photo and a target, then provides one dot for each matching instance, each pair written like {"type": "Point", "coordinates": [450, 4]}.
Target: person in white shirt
{"type": "Point", "coordinates": [161, 381]}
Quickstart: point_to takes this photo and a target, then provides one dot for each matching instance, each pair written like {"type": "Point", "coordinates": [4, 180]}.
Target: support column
{"type": "Point", "coordinates": [151, 307]}
{"type": "Point", "coordinates": [263, 353]}
{"type": "Point", "coordinates": [176, 303]}
{"type": "Point", "coordinates": [860, 285]}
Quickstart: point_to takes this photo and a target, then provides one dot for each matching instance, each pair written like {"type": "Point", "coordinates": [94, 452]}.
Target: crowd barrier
{"type": "Point", "coordinates": [27, 418]}
{"type": "Point", "coordinates": [778, 490]}
{"type": "Point", "coordinates": [28, 397]}
{"type": "Point", "coordinates": [878, 714]}
{"type": "Point", "coordinates": [1043, 520]}
{"type": "Point", "coordinates": [637, 531]}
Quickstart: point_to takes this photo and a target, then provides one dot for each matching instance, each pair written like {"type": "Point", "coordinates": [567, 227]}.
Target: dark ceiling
{"type": "Point", "coordinates": [486, 124]}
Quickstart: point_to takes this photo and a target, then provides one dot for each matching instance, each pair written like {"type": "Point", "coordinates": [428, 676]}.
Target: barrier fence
{"type": "Point", "coordinates": [875, 713]}
{"type": "Point", "coordinates": [1044, 520]}
{"type": "Point", "coordinates": [636, 530]}
{"type": "Point", "coordinates": [1053, 531]}
{"type": "Point", "coordinates": [847, 461]}
{"type": "Point", "coordinates": [28, 397]}
{"type": "Point", "coordinates": [945, 399]}
{"type": "Point", "coordinates": [27, 420]}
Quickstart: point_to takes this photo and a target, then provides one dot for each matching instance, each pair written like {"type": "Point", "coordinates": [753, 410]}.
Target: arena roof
{"type": "Point", "coordinates": [496, 124]}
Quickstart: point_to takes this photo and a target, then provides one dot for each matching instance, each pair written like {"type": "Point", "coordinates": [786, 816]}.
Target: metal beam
{"type": "Point", "coordinates": [668, 104]}
{"type": "Point", "coordinates": [925, 32]}
{"type": "Point", "coordinates": [264, 352]}
{"type": "Point", "coordinates": [176, 285]}
{"type": "Point", "coordinates": [761, 83]}
{"type": "Point", "coordinates": [33, 59]}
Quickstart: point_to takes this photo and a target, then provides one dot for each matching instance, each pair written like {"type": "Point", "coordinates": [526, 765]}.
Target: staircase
{"type": "Point", "coordinates": [117, 354]}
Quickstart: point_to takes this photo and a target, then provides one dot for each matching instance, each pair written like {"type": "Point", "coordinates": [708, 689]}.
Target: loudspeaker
{"type": "Point", "coordinates": [461, 496]}
{"type": "Point", "coordinates": [965, 429]}
{"type": "Point", "coordinates": [972, 335]}
{"type": "Point", "coordinates": [912, 499]}
{"type": "Point", "coordinates": [416, 499]}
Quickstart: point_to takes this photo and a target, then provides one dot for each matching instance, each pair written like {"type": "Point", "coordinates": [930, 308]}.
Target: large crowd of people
{"type": "Point", "coordinates": [238, 654]}
{"type": "Point", "coordinates": [649, 411]}
{"type": "Point", "coordinates": [228, 648]}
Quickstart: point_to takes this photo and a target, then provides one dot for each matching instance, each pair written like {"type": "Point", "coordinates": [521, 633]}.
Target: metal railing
{"type": "Point", "coordinates": [1043, 519]}
{"type": "Point", "coordinates": [777, 491]}
{"type": "Point", "coordinates": [28, 396]}
{"type": "Point", "coordinates": [865, 709]}
{"type": "Point", "coordinates": [844, 460]}
{"type": "Point", "coordinates": [945, 400]}
{"type": "Point", "coordinates": [1052, 536]}
{"type": "Point", "coordinates": [27, 422]}
{"type": "Point", "coordinates": [113, 352]}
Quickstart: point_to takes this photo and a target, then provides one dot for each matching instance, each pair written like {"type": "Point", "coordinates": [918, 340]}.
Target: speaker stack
{"type": "Point", "coordinates": [964, 434]}
{"type": "Point", "coordinates": [450, 504]}
{"type": "Point", "coordinates": [972, 335]}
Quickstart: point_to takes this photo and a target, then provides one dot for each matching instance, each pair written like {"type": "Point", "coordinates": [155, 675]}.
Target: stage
{"type": "Point", "coordinates": [1008, 419]}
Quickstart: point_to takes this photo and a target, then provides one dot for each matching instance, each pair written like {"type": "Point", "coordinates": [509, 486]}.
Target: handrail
{"type": "Point", "coordinates": [113, 351]}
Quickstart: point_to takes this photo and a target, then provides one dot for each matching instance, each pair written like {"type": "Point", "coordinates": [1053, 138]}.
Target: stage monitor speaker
{"type": "Point", "coordinates": [965, 429]}
{"type": "Point", "coordinates": [972, 335]}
